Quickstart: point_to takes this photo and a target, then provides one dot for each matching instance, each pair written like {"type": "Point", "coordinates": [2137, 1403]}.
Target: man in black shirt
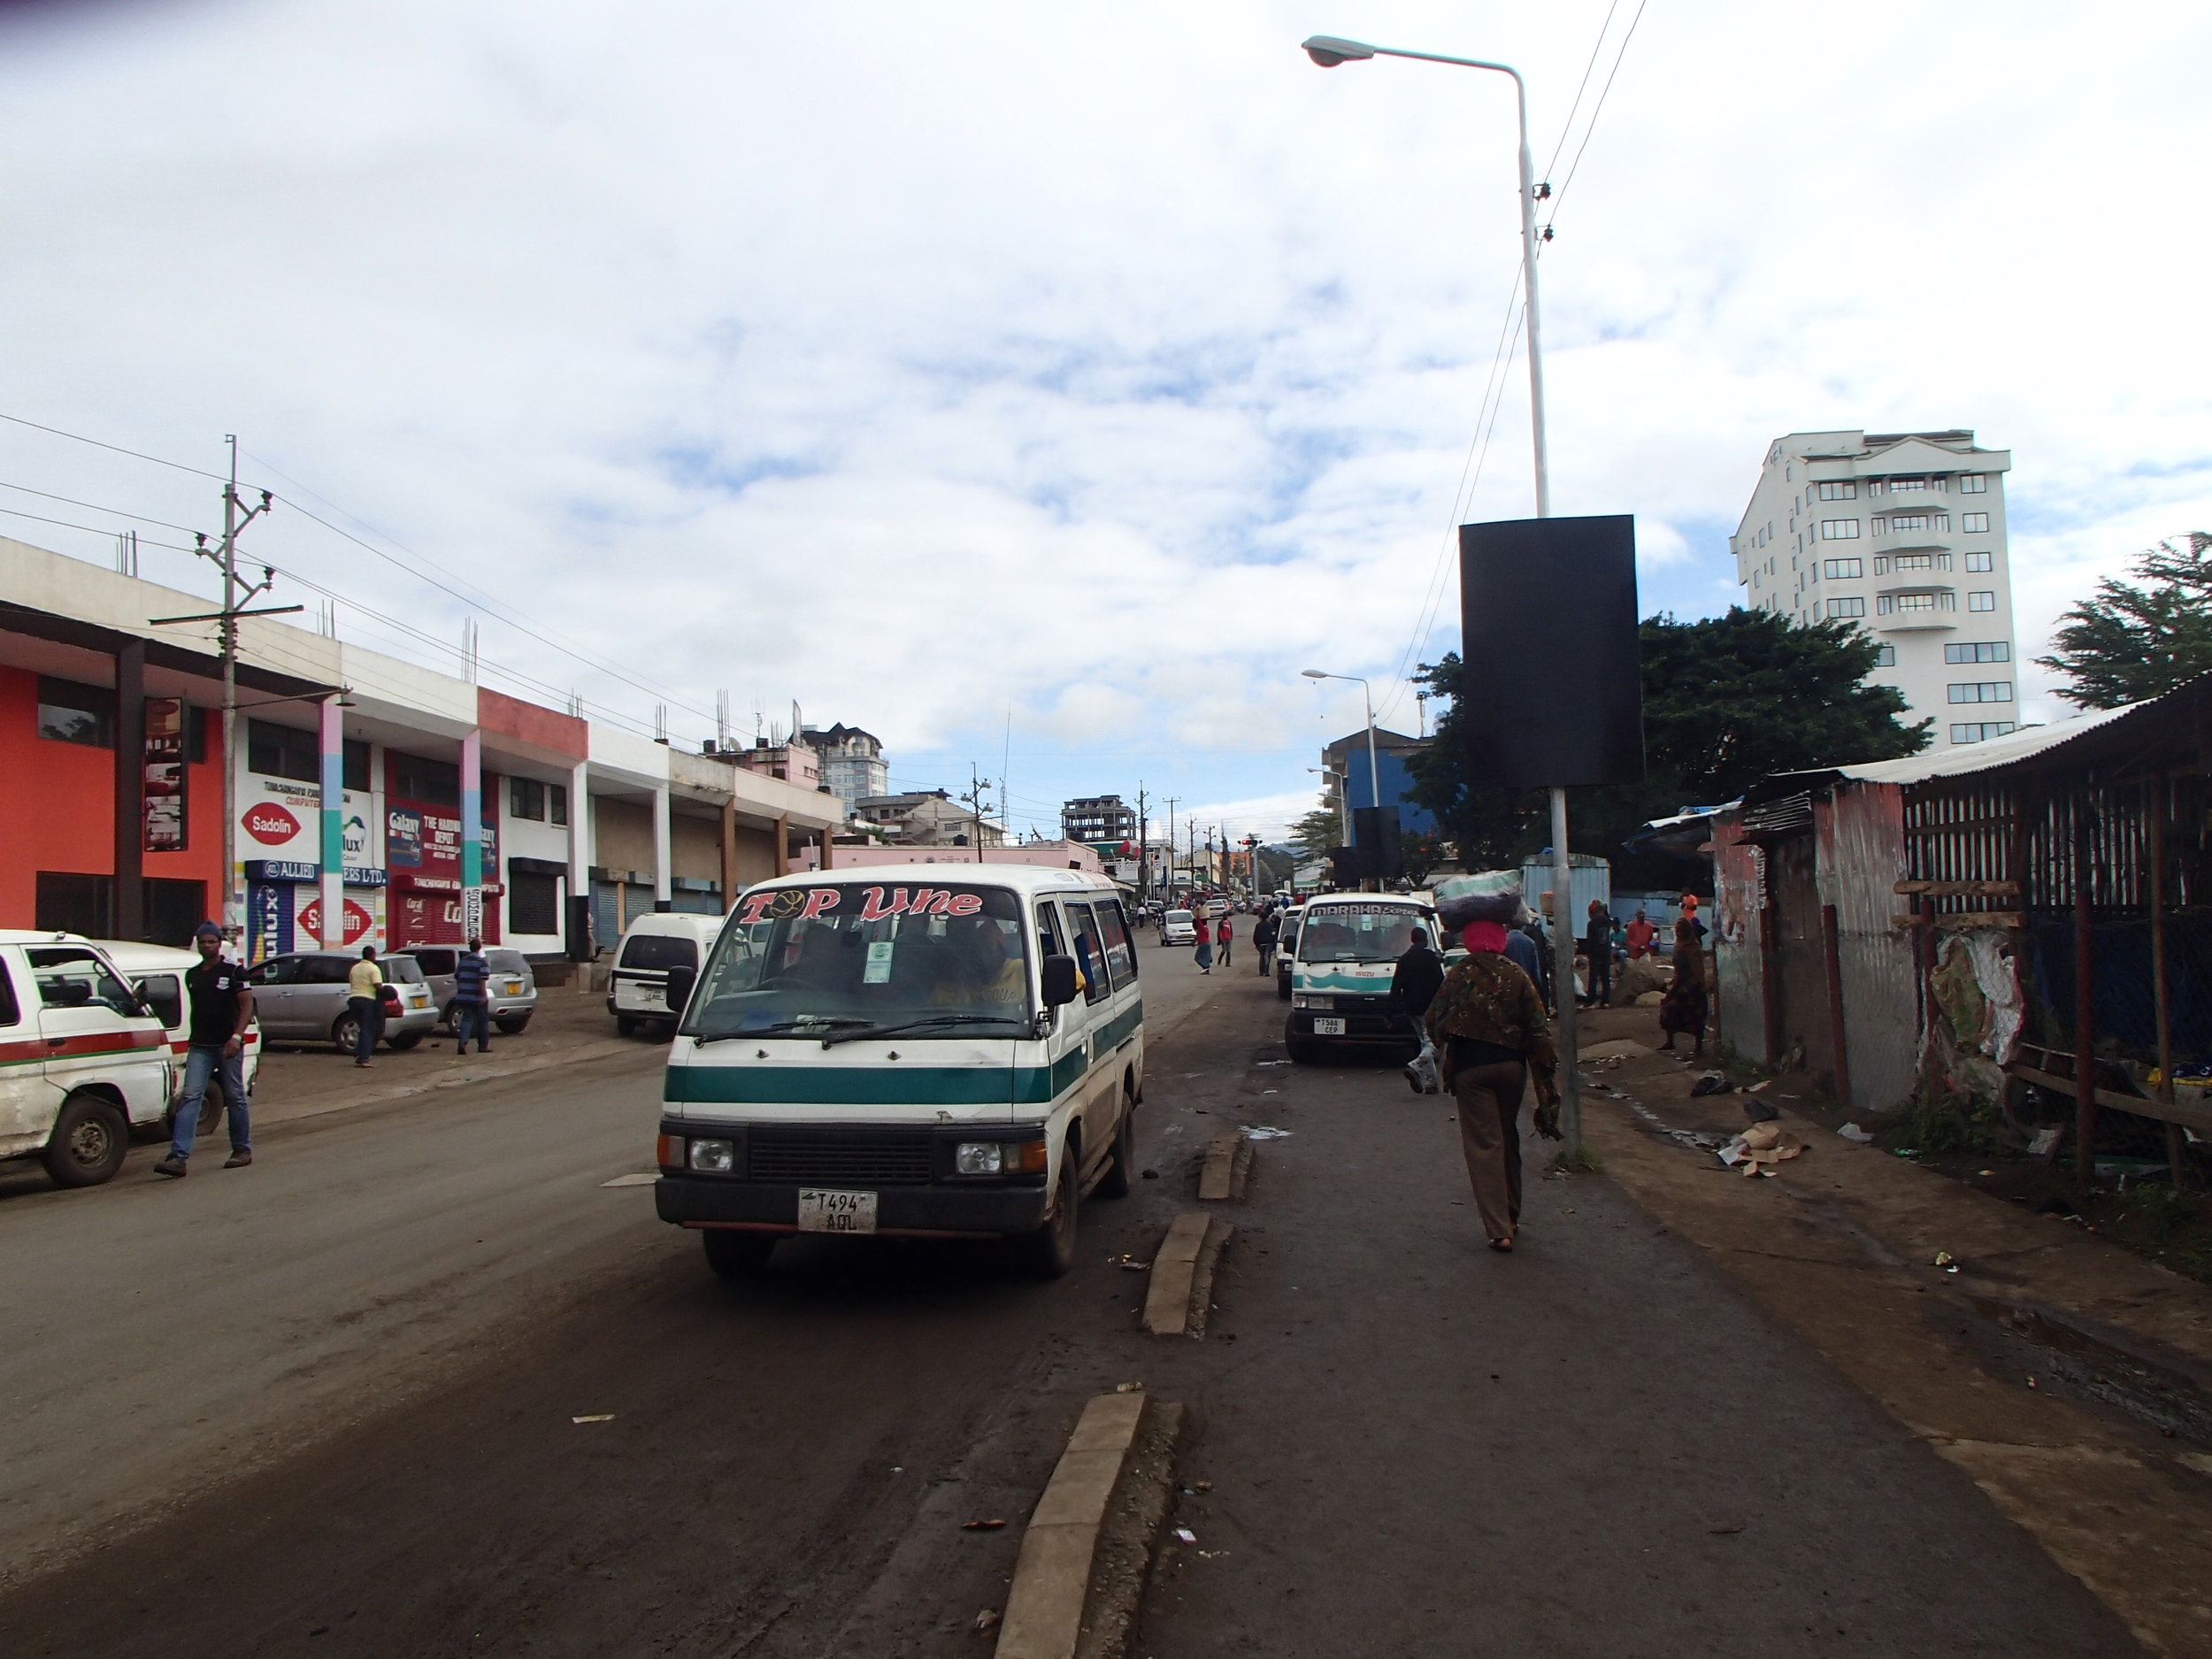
{"type": "Point", "coordinates": [1414, 983]}
{"type": "Point", "coordinates": [220, 1009]}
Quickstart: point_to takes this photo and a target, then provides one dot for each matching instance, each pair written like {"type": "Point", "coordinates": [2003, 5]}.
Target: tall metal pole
{"type": "Point", "coordinates": [234, 901]}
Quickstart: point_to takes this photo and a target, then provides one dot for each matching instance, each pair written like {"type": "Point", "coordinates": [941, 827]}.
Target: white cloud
{"type": "Point", "coordinates": [921, 363]}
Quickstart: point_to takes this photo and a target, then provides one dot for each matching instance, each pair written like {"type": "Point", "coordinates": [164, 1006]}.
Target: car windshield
{"type": "Point", "coordinates": [1357, 932]}
{"type": "Point", "coordinates": [848, 959]}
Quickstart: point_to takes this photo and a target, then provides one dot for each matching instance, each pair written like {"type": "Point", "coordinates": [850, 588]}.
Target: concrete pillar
{"type": "Point", "coordinates": [129, 920]}
{"type": "Point", "coordinates": [472, 835]}
{"type": "Point", "coordinates": [729, 857]}
{"type": "Point", "coordinates": [783, 845]}
{"type": "Point", "coordinates": [662, 856]}
{"type": "Point", "coordinates": [579, 856]}
{"type": "Point", "coordinates": [331, 867]}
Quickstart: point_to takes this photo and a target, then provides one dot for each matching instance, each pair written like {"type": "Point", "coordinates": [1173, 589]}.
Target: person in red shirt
{"type": "Point", "coordinates": [1205, 952]}
{"type": "Point", "coordinates": [1225, 936]}
{"type": "Point", "coordinates": [1640, 933]}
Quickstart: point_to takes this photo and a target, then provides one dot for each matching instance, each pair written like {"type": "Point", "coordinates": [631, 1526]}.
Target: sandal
{"type": "Point", "coordinates": [1503, 1246]}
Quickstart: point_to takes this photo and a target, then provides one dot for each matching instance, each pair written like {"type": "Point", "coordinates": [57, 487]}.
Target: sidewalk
{"type": "Point", "coordinates": [2069, 1377]}
{"type": "Point", "coordinates": [569, 1027]}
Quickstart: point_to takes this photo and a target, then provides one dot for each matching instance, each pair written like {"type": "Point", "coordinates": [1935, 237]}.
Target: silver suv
{"type": "Point", "coordinates": [510, 993]}
{"type": "Point", "coordinates": [303, 997]}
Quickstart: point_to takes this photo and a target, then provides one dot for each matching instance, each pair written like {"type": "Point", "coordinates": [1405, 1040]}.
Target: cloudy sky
{"type": "Point", "coordinates": [1054, 381]}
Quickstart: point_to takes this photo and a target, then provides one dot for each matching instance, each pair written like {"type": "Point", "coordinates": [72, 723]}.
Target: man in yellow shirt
{"type": "Point", "coordinates": [365, 987]}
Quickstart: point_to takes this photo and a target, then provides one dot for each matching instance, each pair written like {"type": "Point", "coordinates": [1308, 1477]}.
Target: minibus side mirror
{"type": "Point", "coordinates": [681, 982]}
{"type": "Point", "coordinates": [1059, 981]}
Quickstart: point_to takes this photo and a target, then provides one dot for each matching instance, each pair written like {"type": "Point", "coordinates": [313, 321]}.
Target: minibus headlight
{"type": "Point", "coordinates": [1303, 1001]}
{"type": "Point", "coordinates": [714, 1157]}
{"type": "Point", "coordinates": [980, 1157]}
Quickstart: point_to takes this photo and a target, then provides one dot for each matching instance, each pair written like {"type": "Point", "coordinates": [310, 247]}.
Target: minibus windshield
{"type": "Point", "coordinates": [840, 960]}
{"type": "Point", "coordinates": [1357, 932]}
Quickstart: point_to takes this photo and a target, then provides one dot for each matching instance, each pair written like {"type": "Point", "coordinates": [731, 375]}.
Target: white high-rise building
{"type": "Point", "coordinates": [1903, 534]}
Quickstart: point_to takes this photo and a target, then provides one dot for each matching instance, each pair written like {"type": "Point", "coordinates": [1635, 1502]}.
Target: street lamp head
{"type": "Point", "coordinates": [1329, 51]}
{"type": "Point", "coordinates": [1313, 673]}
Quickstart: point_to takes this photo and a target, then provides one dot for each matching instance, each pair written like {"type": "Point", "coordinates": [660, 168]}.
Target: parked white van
{"type": "Point", "coordinates": [1340, 968]}
{"type": "Point", "coordinates": [921, 1050]}
{"type": "Point", "coordinates": [637, 983]}
{"type": "Point", "coordinates": [82, 1060]}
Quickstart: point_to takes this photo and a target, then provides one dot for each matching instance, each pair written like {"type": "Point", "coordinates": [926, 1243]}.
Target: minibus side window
{"type": "Point", "coordinates": [1049, 933]}
{"type": "Point", "coordinates": [1089, 955]}
{"type": "Point", "coordinates": [1120, 953]}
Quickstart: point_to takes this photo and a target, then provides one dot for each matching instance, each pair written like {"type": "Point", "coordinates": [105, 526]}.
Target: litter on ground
{"type": "Point", "coordinates": [1852, 1132]}
{"type": "Point", "coordinates": [1759, 1147]}
{"type": "Point", "coordinates": [1265, 1132]}
{"type": "Point", "coordinates": [594, 1417]}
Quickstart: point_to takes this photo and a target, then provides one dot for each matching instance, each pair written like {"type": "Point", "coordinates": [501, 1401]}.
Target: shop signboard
{"type": "Point", "coordinates": [422, 847]}
{"type": "Point", "coordinates": [167, 824]}
{"type": "Point", "coordinates": [284, 908]}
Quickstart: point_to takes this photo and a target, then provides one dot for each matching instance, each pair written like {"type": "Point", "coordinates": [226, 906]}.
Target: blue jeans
{"type": "Point", "coordinates": [200, 1065]}
{"type": "Point", "coordinates": [368, 1018]}
{"type": "Point", "coordinates": [473, 1016]}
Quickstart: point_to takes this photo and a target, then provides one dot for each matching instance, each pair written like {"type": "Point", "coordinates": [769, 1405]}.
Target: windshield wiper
{"type": "Point", "coordinates": [933, 1020]}
{"type": "Point", "coordinates": [811, 1024]}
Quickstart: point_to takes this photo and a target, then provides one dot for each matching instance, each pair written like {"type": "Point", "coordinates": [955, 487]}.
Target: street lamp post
{"type": "Point", "coordinates": [1329, 51]}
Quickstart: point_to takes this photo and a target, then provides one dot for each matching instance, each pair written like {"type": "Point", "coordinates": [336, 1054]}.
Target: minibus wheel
{"type": "Point", "coordinates": [1050, 1251]}
{"type": "Point", "coordinates": [1121, 1163]}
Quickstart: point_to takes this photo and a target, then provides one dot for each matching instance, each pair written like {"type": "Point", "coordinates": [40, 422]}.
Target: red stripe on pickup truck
{"type": "Point", "coordinates": [84, 1043]}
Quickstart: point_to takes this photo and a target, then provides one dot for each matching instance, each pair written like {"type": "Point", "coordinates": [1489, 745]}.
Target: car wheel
{"type": "Point", "coordinates": [89, 1140]}
{"type": "Point", "coordinates": [1049, 1252]}
{"type": "Point", "coordinates": [625, 1025]}
{"type": "Point", "coordinates": [733, 1254]}
{"type": "Point", "coordinates": [1301, 1053]}
{"type": "Point", "coordinates": [345, 1033]}
{"type": "Point", "coordinates": [512, 1027]}
{"type": "Point", "coordinates": [1121, 1163]}
{"type": "Point", "coordinates": [405, 1042]}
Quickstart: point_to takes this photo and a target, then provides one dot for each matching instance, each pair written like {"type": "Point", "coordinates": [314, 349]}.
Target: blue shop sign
{"type": "Point", "coordinates": [298, 871]}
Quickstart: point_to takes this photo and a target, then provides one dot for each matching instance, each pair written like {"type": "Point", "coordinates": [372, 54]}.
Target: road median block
{"type": "Point", "coordinates": [1228, 1166]}
{"type": "Point", "coordinates": [1182, 1275]}
{"type": "Point", "coordinates": [1084, 1555]}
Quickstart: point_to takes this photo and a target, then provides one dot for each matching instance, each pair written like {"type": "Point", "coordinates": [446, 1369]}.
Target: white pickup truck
{"type": "Point", "coordinates": [83, 1061]}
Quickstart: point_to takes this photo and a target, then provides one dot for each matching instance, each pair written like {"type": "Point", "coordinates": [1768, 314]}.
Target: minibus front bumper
{"type": "Point", "coordinates": [911, 1169]}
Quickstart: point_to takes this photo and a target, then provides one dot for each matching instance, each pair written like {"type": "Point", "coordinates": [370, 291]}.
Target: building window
{"type": "Point", "coordinates": [1984, 691]}
{"type": "Point", "coordinates": [1907, 602]}
{"type": "Point", "coordinates": [1901, 522]}
{"type": "Point", "coordinates": [282, 751]}
{"type": "Point", "coordinates": [1846, 608]}
{"type": "Point", "coordinates": [70, 712]}
{"type": "Point", "coordinates": [525, 798]}
{"type": "Point", "coordinates": [1982, 651]}
{"type": "Point", "coordinates": [1839, 529]}
{"type": "Point", "coordinates": [1972, 484]}
{"type": "Point", "coordinates": [1886, 657]}
{"type": "Point", "coordinates": [433, 782]}
{"type": "Point", "coordinates": [356, 766]}
{"type": "Point", "coordinates": [1842, 489]}
{"type": "Point", "coordinates": [1910, 485]}
{"type": "Point", "coordinates": [1981, 732]}
{"type": "Point", "coordinates": [1975, 524]}
{"type": "Point", "coordinates": [533, 902]}
{"type": "Point", "coordinates": [1837, 570]}
{"type": "Point", "coordinates": [557, 804]}
{"type": "Point", "coordinates": [1981, 561]}
{"type": "Point", "coordinates": [1913, 562]}
{"type": "Point", "coordinates": [1981, 602]}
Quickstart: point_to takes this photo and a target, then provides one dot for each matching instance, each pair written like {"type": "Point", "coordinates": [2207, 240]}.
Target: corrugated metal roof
{"type": "Point", "coordinates": [1996, 751]}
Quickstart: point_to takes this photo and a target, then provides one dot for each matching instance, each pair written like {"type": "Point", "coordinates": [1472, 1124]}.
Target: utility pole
{"type": "Point", "coordinates": [1172, 803]}
{"type": "Point", "coordinates": [975, 799]}
{"type": "Point", "coordinates": [237, 594]}
{"type": "Point", "coordinates": [1144, 861]}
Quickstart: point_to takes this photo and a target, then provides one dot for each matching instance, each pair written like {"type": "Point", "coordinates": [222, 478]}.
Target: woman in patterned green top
{"type": "Point", "coordinates": [1490, 1031]}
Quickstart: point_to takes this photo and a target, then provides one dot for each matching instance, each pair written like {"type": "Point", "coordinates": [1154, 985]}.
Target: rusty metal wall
{"type": "Point", "coordinates": [1739, 885]}
{"type": "Point", "coordinates": [1861, 834]}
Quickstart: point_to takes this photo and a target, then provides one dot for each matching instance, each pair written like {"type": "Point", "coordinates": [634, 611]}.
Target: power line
{"type": "Point", "coordinates": [1567, 126]}
{"type": "Point", "coordinates": [118, 449]}
{"type": "Point", "coordinates": [1560, 195]}
{"type": "Point", "coordinates": [96, 507]}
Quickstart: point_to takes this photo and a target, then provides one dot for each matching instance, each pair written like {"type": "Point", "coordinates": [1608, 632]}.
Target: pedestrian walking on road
{"type": "Point", "coordinates": [1489, 1028]}
{"type": "Point", "coordinates": [1204, 953]}
{"type": "Point", "coordinates": [1597, 944]}
{"type": "Point", "coordinates": [1227, 934]}
{"type": "Point", "coordinates": [1413, 987]}
{"type": "Point", "coordinates": [472, 980]}
{"type": "Point", "coordinates": [1527, 948]}
{"type": "Point", "coordinates": [1264, 937]}
{"type": "Point", "coordinates": [220, 1009]}
{"type": "Point", "coordinates": [365, 995]}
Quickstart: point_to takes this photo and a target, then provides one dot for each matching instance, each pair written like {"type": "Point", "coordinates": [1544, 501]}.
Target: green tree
{"type": "Point", "coordinates": [1727, 700]}
{"type": "Point", "coordinates": [1318, 831]}
{"type": "Point", "coordinates": [2130, 643]}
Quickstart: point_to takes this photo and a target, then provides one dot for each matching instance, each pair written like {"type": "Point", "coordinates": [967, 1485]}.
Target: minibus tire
{"type": "Point", "coordinates": [1282, 987]}
{"type": "Point", "coordinates": [1120, 1163]}
{"type": "Point", "coordinates": [90, 1141]}
{"type": "Point", "coordinates": [210, 1116]}
{"type": "Point", "coordinates": [405, 1040]}
{"type": "Point", "coordinates": [1049, 1252]}
{"type": "Point", "coordinates": [733, 1254]}
{"type": "Point", "coordinates": [1301, 1053]}
{"type": "Point", "coordinates": [624, 1025]}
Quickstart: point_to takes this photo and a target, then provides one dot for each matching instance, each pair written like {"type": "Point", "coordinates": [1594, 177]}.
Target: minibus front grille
{"type": "Point", "coordinates": [871, 1157]}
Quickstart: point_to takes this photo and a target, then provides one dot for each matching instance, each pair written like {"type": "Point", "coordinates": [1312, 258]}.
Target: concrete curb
{"type": "Point", "coordinates": [1048, 1611]}
{"type": "Point", "coordinates": [1182, 1275]}
{"type": "Point", "coordinates": [1228, 1166]}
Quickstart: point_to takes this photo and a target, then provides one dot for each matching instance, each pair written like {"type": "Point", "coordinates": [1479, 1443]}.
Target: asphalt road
{"type": "Point", "coordinates": [335, 1417]}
